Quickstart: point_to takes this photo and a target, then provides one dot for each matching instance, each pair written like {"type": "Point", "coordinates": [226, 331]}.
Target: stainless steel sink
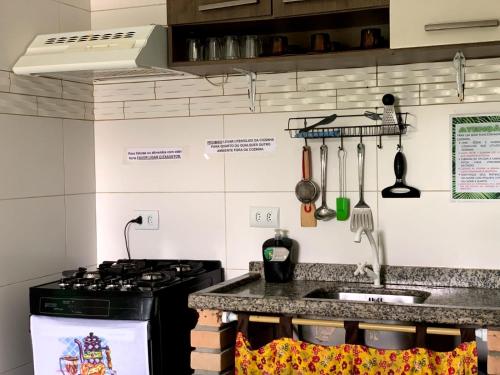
{"type": "Point", "coordinates": [370, 295]}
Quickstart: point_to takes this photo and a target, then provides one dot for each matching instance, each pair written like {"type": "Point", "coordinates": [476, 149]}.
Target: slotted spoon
{"type": "Point", "coordinates": [361, 216]}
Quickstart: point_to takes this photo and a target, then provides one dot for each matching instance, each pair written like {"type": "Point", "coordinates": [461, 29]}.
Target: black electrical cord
{"type": "Point", "coordinates": [137, 220]}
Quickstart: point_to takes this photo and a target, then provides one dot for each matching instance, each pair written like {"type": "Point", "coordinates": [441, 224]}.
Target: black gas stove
{"type": "Point", "coordinates": [135, 290]}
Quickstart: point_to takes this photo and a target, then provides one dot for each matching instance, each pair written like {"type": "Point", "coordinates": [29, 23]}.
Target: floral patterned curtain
{"type": "Point", "coordinates": [286, 356]}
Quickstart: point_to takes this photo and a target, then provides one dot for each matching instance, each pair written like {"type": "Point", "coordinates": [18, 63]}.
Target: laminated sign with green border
{"type": "Point", "coordinates": [475, 157]}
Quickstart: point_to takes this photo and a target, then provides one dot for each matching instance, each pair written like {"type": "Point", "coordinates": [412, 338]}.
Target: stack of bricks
{"type": "Point", "coordinates": [494, 351]}
{"type": "Point", "coordinates": [214, 343]}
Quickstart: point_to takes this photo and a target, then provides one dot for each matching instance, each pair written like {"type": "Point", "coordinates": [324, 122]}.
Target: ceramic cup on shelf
{"type": "Point", "coordinates": [320, 42]}
{"type": "Point", "coordinates": [370, 38]}
{"type": "Point", "coordinates": [279, 45]}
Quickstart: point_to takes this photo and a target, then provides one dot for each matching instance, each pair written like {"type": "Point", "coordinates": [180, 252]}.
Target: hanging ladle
{"type": "Point", "coordinates": [323, 212]}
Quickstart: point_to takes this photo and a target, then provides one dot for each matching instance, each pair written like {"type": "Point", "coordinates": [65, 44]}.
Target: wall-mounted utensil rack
{"type": "Point", "coordinates": [375, 129]}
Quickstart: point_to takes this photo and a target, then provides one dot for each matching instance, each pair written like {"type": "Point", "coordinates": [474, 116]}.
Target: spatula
{"type": "Point", "coordinates": [400, 189]}
{"type": "Point", "coordinates": [361, 216]}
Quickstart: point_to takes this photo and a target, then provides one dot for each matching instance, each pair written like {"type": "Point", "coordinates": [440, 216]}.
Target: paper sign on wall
{"type": "Point", "coordinates": [475, 157]}
{"type": "Point", "coordinates": [153, 154]}
{"type": "Point", "coordinates": [215, 146]}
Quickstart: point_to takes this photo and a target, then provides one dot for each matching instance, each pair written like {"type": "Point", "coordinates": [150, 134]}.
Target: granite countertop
{"type": "Point", "coordinates": [455, 296]}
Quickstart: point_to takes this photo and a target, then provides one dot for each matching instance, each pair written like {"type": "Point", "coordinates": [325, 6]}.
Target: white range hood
{"type": "Point", "coordinates": [89, 56]}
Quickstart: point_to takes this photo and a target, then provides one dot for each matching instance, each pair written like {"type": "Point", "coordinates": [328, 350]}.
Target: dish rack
{"type": "Point", "coordinates": [375, 129]}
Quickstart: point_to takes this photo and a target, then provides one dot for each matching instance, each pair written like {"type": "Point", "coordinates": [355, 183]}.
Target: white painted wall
{"type": "Point", "coordinates": [47, 194]}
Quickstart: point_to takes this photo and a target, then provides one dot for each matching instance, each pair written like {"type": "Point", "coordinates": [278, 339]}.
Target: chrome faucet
{"type": "Point", "coordinates": [374, 272]}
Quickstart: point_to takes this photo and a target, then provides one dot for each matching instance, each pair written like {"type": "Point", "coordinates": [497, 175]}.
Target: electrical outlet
{"type": "Point", "coordinates": [150, 220]}
{"type": "Point", "coordinates": [264, 217]}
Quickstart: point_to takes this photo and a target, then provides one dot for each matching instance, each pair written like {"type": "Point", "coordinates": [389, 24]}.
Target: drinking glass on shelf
{"type": "Point", "coordinates": [251, 47]}
{"type": "Point", "coordinates": [231, 47]}
{"type": "Point", "coordinates": [195, 50]}
{"type": "Point", "coordinates": [213, 49]}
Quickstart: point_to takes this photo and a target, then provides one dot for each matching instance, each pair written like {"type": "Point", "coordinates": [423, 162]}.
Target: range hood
{"type": "Point", "coordinates": [90, 56]}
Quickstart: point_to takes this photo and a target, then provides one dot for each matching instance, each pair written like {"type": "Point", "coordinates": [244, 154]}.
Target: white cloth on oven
{"type": "Point", "coordinates": [54, 338]}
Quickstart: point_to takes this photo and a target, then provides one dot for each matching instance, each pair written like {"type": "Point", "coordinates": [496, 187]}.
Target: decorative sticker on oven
{"type": "Point", "coordinates": [86, 356]}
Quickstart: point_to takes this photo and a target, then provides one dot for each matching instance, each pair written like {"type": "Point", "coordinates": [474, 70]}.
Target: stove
{"type": "Point", "coordinates": [151, 292]}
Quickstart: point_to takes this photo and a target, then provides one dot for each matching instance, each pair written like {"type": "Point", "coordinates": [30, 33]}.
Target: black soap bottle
{"type": "Point", "coordinates": [277, 254]}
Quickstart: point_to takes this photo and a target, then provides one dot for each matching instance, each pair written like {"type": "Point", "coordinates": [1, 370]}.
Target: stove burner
{"type": "Point", "coordinates": [81, 283]}
{"type": "Point", "coordinates": [94, 275]}
{"type": "Point", "coordinates": [153, 276]}
{"type": "Point", "coordinates": [181, 267]}
{"type": "Point", "coordinates": [65, 282]}
{"type": "Point", "coordinates": [189, 268]}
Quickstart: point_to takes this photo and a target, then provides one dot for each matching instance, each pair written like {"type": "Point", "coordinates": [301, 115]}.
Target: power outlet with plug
{"type": "Point", "coordinates": [150, 220]}
{"type": "Point", "coordinates": [264, 217]}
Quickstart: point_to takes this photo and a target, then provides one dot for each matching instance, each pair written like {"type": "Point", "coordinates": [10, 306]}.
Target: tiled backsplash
{"type": "Point", "coordinates": [415, 84]}
{"type": "Point", "coordinates": [45, 97]}
{"type": "Point", "coordinates": [204, 199]}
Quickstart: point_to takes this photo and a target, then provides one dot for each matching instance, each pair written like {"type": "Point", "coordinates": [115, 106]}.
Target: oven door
{"type": "Point", "coordinates": [72, 346]}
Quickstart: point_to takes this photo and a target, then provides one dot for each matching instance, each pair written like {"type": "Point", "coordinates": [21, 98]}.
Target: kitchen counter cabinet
{"type": "Point", "coordinates": [199, 11]}
{"type": "Point", "coordinates": [287, 8]}
{"type": "Point", "coordinates": [408, 20]}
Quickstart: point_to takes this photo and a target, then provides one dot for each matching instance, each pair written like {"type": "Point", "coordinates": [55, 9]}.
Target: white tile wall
{"type": "Point", "coordinates": [22, 370]}
{"type": "Point", "coordinates": [157, 108]}
{"type": "Point", "coordinates": [188, 88]}
{"type": "Point", "coordinates": [281, 82]}
{"type": "Point", "coordinates": [269, 178]}
{"type": "Point", "coordinates": [15, 355]}
{"type": "Point", "coordinates": [18, 104]}
{"type": "Point", "coordinates": [329, 242]}
{"type": "Point", "coordinates": [299, 101]}
{"type": "Point", "coordinates": [217, 105]}
{"type": "Point", "coordinates": [438, 93]}
{"type": "Point", "coordinates": [196, 172]}
{"type": "Point", "coordinates": [235, 85]}
{"type": "Point", "coordinates": [124, 91]}
{"type": "Point", "coordinates": [281, 170]}
{"type": "Point", "coordinates": [32, 238]}
{"type": "Point", "coordinates": [337, 79]}
{"type": "Point", "coordinates": [33, 226]}
{"type": "Point", "coordinates": [81, 240]}
{"type": "Point", "coordinates": [79, 157]}
{"type": "Point", "coordinates": [191, 226]}
{"type": "Point", "coordinates": [31, 157]}
{"type": "Point", "coordinates": [372, 97]}
{"type": "Point", "coordinates": [482, 91]}
{"type": "Point", "coordinates": [416, 73]}
{"type": "Point", "coordinates": [109, 111]}
{"type": "Point", "coordinates": [4, 81]}
{"type": "Point", "coordinates": [77, 91]}
{"type": "Point", "coordinates": [434, 230]}
{"type": "Point", "coordinates": [70, 109]}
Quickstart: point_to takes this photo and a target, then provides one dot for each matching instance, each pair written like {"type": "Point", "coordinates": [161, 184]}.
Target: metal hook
{"type": "Point", "coordinates": [341, 147]}
{"type": "Point", "coordinates": [400, 146]}
{"type": "Point", "coordinates": [379, 143]}
{"type": "Point", "coordinates": [360, 134]}
{"type": "Point", "coordinates": [305, 126]}
{"type": "Point", "coordinates": [323, 140]}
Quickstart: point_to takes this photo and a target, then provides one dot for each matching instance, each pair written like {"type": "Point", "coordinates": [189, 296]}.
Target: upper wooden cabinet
{"type": "Point", "coordinates": [286, 8]}
{"type": "Point", "coordinates": [200, 11]}
{"type": "Point", "coordinates": [432, 23]}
